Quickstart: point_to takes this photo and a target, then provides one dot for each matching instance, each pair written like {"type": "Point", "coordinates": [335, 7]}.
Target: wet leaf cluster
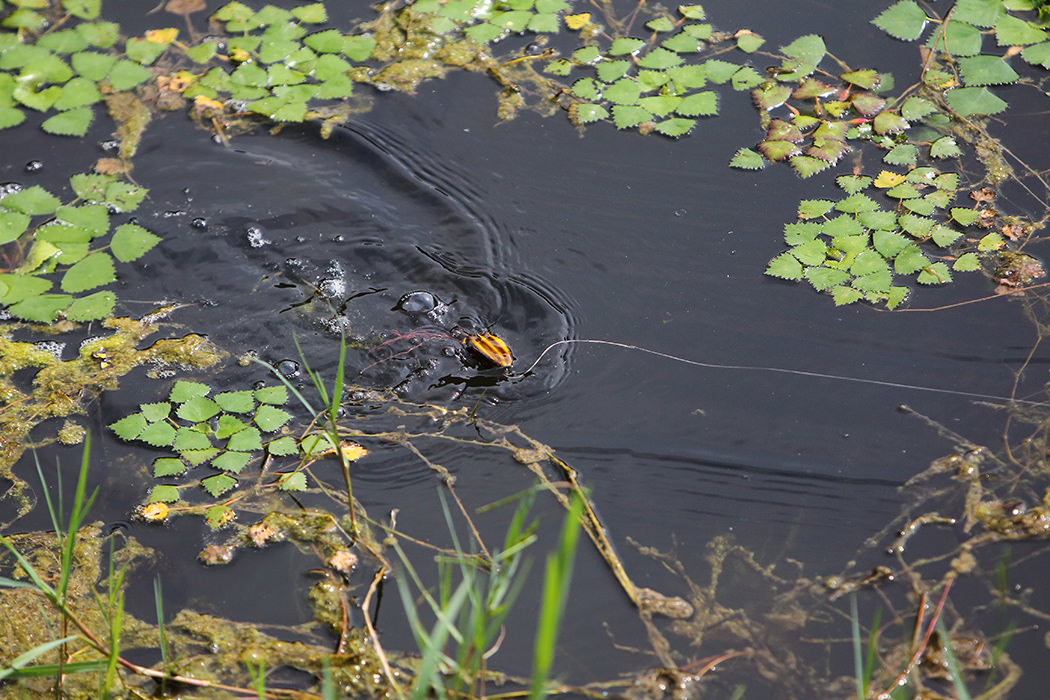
{"type": "Point", "coordinates": [38, 384]}
{"type": "Point", "coordinates": [660, 84]}
{"type": "Point", "coordinates": [855, 249]}
{"type": "Point", "coordinates": [227, 431]}
{"type": "Point", "coordinates": [76, 245]}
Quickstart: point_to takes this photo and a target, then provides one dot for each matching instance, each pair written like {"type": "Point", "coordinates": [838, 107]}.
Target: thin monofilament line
{"type": "Point", "coordinates": [781, 370]}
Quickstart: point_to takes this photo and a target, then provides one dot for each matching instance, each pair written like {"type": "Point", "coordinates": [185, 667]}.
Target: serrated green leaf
{"type": "Point", "coordinates": [197, 457]}
{"type": "Point", "coordinates": [902, 154]}
{"type": "Point", "coordinates": [845, 295]}
{"type": "Point", "coordinates": [93, 271]}
{"type": "Point", "coordinates": [313, 13]}
{"type": "Point", "coordinates": [12, 225]}
{"type": "Point", "coordinates": [269, 418]}
{"type": "Point", "coordinates": [20, 287]}
{"type": "Point", "coordinates": [183, 391]}
{"type": "Point", "coordinates": [77, 92]}
{"type": "Point", "coordinates": [698, 104]}
{"type": "Point", "coordinates": [34, 201]}
{"type": "Point", "coordinates": [608, 71]}
{"type": "Point", "coordinates": [675, 127]}
{"type": "Point", "coordinates": [956, 38]}
{"type": "Point", "coordinates": [229, 426]}
{"type": "Point", "coordinates": [587, 113]}
{"type": "Point", "coordinates": [745, 159]}
{"type": "Point", "coordinates": [803, 55]}
{"type": "Point", "coordinates": [980, 13]}
{"type": "Point", "coordinates": [143, 51]}
{"type": "Point", "coordinates": [218, 515]}
{"type": "Point", "coordinates": [749, 42]}
{"type": "Point", "coordinates": [868, 262]}
{"type": "Point", "coordinates": [158, 434]}
{"type": "Point", "coordinates": [909, 260]}
{"type": "Point", "coordinates": [807, 166]}
{"type": "Point", "coordinates": [131, 241]}
{"type": "Point", "coordinates": [125, 197]}
{"type": "Point", "coordinates": [189, 438]}
{"type": "Point", "coordinates": [915, 108]}
{"type": "Point", "coordinates": [681, 43]}
{"type": "Point", "coordinates": [41, 309]}
{"type": "Point", "coordinates": [197, 409]}
{"type": "Point", "coordinates": [856, 203]}
{"type": "Point", "coordinates": [823, 278]}
{"type": "Point", "coordinates": [937, 273]}
{"type": "Point", "coordinates": [1014, 31]}
{"type": "Point", "coordinates": [889, 244]}
{"type": "Point", "coordinates": [622, 46]}
{"type": "Point", "coordinates": [292, 481]}
{"type": "Point", "coordinates": [811, 252]}
{"type": "Point", "coordinates": [1038, 54]}
{"type": "Point", "coordinates": [943, 236]}
{"type": "Point", "coordinates": [904, 20]}
{"type": "Point", "coordinates": [246, 440]}
{"type": "Point", "coordinates": [660, 24]}
{"type": "Point", "coordinates": [853, 184]}
{"type": "Point", "coordinates": [231, 461]}
{"type": "Point", "coordinates": [129, 427]}
{"type": "Point", "coordinates": [154, 412]}
{"type": "Point", "coordinates": [877, 282]}
{"type": "Point", "coordinates": [236, 401]}
{"type": "Point", "coordinates": [969, 101]}
{"type": "Point", "coordinates": [623, 91]}
{"type": "Point", "coordinates": [814, 208]}
{"type": "Point", "coordinates": [945, 147]}
{"type": "Point", "coordinates": [168, 466]}
{"type": "Point", "coordinates": [986, 70]}
{"type": "Point", "coordinates": [964, 217]}
{"type": "Point", "coordinates": [163, 493]}
{"type": "Point", "coordinates": [992, 241]}
{"type": "Point", "coordinates": [275, 395]}
{"type": "Point", "coordinates": [283, 446]}
{"type": "Point", "coordinates": [918, 226]}
{"type": "Point", "coordinates": [359, 48]}
{"type": "Point", "coordinates": [73, 122]}
{"type": "Point", "coordinates": [967, 262]}
{"type": "Point", "coordinates": [659, 59]}
{"type": "Point", "coordinates": [218, 484]}
{"type": "Point", "coordinates": [126, 74]}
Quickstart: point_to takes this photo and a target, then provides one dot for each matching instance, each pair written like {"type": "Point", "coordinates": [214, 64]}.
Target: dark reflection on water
{"type": "Point", "coordinates": [543, 235]}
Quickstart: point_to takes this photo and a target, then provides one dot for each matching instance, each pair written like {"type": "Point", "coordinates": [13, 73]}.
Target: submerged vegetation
{"type": "Point", "coordinates": [916, 215]}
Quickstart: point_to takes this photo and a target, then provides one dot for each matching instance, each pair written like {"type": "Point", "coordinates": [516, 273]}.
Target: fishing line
{"type": "Point", "coordinates": [779, 370]}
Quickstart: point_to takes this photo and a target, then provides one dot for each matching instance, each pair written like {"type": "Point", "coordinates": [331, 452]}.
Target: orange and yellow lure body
{"type": "Point", "coordinates": [491, 347]}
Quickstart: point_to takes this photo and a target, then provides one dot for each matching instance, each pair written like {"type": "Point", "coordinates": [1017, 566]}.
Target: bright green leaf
{"type": "Point", "coordinates": [904, 20]}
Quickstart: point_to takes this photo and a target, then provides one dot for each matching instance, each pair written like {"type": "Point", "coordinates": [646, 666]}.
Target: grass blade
{"type": "Point", "coordinates": [15, 668]}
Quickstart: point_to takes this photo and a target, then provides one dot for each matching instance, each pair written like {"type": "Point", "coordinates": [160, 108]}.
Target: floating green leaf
{"type": "Point", "coordinates": [937, 273]}
{"type": "Point", "coordinates": [73, 122]}
{"type": "Point", "coordinates": [129, 427]}
{"type": "Point", "coordinates": [275, 395]}
{"type": "Point", "coordinates": [190, 438]}
{"type": "Point", "coordinates": [967, 262]}
{"type": "Point", "coordinates": [218, 484]}
{"type": "Point", "coordinates": [236, 401]}
{"type": "Point", "coordinates": [283, 446]}
{"type": "Point", "coordinates": [980, 13]}
{"type": "Point", "coordinates": [1014, 31]}
{"type": "Point", "coordinates": [957, 39]}
{"type": "Point", "coordinates": [231, 461]}
{"type": "Point", "coordinates": [183, 391]}
{"type": "Point", "coordinates": [746, 159]}
{"type": "Point", "coordinates": [12, 225]}
{"type": "Point", "coordinates": [160, 434]}
{"type": "Point", "coordinates": [270, 418]}
{"type": "Point", "coordinates": [33, 200]}
{"type": "Point", "coordinates": [970, 101]}
{"type": "Point", "coordinates": [964, 217]}
{"type": "Point", "coordinates": [163, 493]}
{"type": "Point", "coordinates": [904, 20]}
{"type": "Point", "coordinates": [127, 74]}
{"type": "Point", "coordinates": [131, 241]}
{"type": "Point", "coordinates": [197, 409]}
{"type": "Point", "coordinates": [785, 266]}
{"type": "Point", "coordinates": [986, 70]}
{"type": "Point", "coordinates": [93, 271]}
{"type": "Point", "coordinates": [585, 112]}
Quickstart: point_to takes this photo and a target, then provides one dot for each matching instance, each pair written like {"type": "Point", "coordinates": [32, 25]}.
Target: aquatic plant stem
{"type": "Point", "coordinates": [902, 677]}
{"type": "Point", "coordinates": [387, 671]}
{"type": "Point", "coordinates": [779, 370]}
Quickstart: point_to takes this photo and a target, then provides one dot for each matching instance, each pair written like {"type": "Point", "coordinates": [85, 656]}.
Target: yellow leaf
{"type": "Point", "coordinates": [352, 451]}
{"type": "Point", "coordinates": [491, 347]}
{"type": "Point", "coordinates": [579, 21]}
{"type": "Point", "coordinates": [155, 512]}
{"type": "Point", "coordinates": [886, 179]}
{"type": "Point", "coordinates": [993, 241]}
{"type": "Point", "coordinates": [162, 36]}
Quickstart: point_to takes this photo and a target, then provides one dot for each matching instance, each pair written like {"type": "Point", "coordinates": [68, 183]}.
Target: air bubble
{"type": "Point", "coordinates": [200, 222]}
{"type": "Point", "coordinates": [255, 237]}
{"type": "Point", "coordinates": [288, 368]}
{"type": "Point", "coordinates": [34, 166]}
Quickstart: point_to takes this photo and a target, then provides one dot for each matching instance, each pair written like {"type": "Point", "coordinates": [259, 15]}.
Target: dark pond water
{"type": "Point", "coordinates": [545, 234]}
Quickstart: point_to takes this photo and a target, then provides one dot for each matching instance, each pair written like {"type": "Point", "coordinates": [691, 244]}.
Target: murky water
{"type": "Point", "coordinates": [543, 234]}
